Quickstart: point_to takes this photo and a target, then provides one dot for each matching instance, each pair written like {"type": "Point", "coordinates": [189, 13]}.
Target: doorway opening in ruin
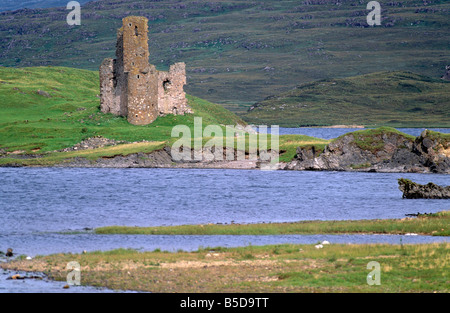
{"type": "Point", "coordinates": [166, 85]}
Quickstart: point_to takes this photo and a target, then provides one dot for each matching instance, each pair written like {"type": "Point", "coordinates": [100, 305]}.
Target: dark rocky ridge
{"type": "Point", "coordinates": [412, 190]}
{"type": "Point", "coordinates": [382, 151]}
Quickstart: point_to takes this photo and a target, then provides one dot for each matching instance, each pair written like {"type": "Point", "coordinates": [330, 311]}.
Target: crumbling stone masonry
{"type": "Point", "coordinates": [131, 86]}
{"type": "Point", "coordinates": [447, 73]}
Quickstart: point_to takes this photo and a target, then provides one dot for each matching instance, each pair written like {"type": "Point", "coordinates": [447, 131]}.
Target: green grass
{"type": "Point", "coordinates": [396, 99]}
{"type": "Point", "coordinates": [68, 112]}
{"type": "Point", "coordinates": [34, 123]}
{"type": "Point", "coordinates": [271, 268]}
{"type": "Point", "coordinates": [290, 143]}
{"type": "Point", "coordinates": [436, 224]}
{"type": "Point", "coordinates": [372, 139]}
{"type": "Point", "coordinates": [238, 52]}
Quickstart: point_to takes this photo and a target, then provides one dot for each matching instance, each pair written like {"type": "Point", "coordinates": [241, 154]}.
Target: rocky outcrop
{"type": "Point", "coordinates": [93, 143]}
{"type": "Point", "coordinates": [43, 93]}
{"type": "Point", "coordinates": [433, 151]}
{"type": "Point", "coordinates": [380, 150]}
{"type": "Point", "coordinates": [412, 190]}
{"type": "Point", "coordinates": [161, 159]}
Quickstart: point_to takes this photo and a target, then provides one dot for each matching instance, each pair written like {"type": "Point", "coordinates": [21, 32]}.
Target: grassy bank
{"type": "Point", "coordinates": [437, 224]}
{"type": "Point", "coordinates": [274, 268]}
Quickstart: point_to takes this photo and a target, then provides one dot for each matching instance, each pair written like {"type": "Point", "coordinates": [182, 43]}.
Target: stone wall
{"type": "Point", "coordinates": [447, 73]}
{"type": "Point", "coordinates": [107, 88]}
{"type": "Point", "coordinates": [171, 95]}
{"type": "Point", "coordinates": [131, 86]}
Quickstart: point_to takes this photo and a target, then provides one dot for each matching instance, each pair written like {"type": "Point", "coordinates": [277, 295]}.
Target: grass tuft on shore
{"type": "Point", "coordinates": [437, 224]}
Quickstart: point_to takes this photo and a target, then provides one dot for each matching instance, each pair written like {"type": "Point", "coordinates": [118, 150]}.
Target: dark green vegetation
{"type": "Point", "coordinates": [274, 268]}
{"type": "Point", "coordinates": [434, 224]}
{"type": "Point", "coordinates": [397, 99]}
{"type": "Point", "coordinates": [6, 5]}
{"type": "Point", "coordinates": [238, 52]}
{"type": "Point", "coordinates": [372, 139]}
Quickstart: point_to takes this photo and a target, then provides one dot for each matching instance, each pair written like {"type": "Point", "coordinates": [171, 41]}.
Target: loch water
{"type": "Point", "coordinates": [51, 210]}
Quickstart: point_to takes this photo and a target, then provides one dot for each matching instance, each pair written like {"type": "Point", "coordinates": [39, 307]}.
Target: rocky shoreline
{"type": "Point", "coordinates": [380, 151]}
{"type": "Point", "coordinates": [161, 158]}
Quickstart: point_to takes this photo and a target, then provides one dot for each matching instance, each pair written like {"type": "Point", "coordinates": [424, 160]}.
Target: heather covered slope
{"type": "Point", "coordinates": [10, 5]}
{"type": "Point", "coordinates": [239, 52]}
{"type": "Point", "coordinates": [396, 99]}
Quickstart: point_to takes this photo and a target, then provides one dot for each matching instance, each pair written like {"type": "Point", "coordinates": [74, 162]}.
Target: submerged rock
{"type": "Point", "coordinates": [22, 277]}
{"type": "Point", "coordinates": [412, 190]}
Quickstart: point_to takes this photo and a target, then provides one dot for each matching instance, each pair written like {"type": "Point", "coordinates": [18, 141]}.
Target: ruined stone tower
{"type": "Point", "coordinates": [447, 73]}
{"type": "Point", "coordinates": [130, 86]}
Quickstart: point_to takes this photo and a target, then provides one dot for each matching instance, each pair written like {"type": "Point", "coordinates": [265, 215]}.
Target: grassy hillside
{"type": "Point", "coordinates": [397, 99]}
{"type": "Point", "coordinates": [50, 108]}
{"type": "Point", "coordinates": [43, 109]}
{"type": "Point", "coordinates": [238, 52]}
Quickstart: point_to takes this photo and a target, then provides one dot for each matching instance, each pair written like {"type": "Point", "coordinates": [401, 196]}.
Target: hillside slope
{"type": "Point", "coordinates": [50, 108]}
{"type": "Point", "coordinates": [397, 99]}
{"type": "Point", "coordinates": [7, 5]}
{"type": "Point", "coordinates": [238, 52]}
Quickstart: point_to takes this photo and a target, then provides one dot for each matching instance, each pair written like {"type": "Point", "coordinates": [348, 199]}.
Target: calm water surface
{"type": "Point", "coordinates": [329, 133]}
{"type": "Point", "coordinates": [37, 204]}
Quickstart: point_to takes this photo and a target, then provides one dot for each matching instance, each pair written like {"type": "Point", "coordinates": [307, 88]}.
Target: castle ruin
{"type": "Point", "coordinates": [130, 86]}
{"type": "Point", "coordinates": [447, 73]}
